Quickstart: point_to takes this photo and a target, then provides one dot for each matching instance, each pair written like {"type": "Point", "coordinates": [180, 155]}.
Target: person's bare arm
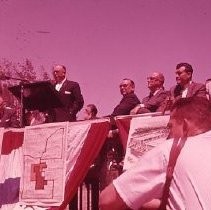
{"type": "Point", "coordinates": [152, 205]}
{"type": "Point", "coordinates": [110, 199]}
{"type": "Point", "coordinates": [135, 109]}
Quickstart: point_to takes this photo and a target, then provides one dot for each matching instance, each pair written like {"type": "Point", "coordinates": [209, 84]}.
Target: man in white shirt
{"type": "Point", "coordinates": [69, 93]}
{"type": "Point", "coordinates": [190, 186]}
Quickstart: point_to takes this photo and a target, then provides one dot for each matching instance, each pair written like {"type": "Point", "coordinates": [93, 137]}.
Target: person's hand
{"type": "Point", "coordinates": [152, 205]}
{"type": "Point", "coordinates": [112, 133]}
{"type": "Point", "coordinates": [135, 110]}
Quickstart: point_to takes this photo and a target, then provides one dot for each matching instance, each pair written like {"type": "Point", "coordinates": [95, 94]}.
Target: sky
{"type": "Point", "coordinates": [102, 42]}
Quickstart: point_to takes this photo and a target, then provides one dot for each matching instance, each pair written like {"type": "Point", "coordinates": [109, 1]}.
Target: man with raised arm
{"type": "Point", "coordinates": [69, 93]}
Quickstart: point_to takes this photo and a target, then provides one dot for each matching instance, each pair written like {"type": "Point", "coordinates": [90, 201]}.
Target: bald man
{"type": "Point", "coordinates": [70, 95]}
{"type": "Point", "coordinates": [155, 100]}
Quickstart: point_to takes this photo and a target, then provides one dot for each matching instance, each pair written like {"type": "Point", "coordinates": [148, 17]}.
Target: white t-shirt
{"type": "Point", "coordinates": [59, 85]}
{"type": "Point", "coordinates": [191, 184]}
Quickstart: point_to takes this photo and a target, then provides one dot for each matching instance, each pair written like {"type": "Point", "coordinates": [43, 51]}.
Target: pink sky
{"type": "Point", "coordinates": [103, 41]}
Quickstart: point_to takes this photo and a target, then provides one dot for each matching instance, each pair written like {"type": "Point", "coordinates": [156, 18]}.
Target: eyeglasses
{"type": "Point", "coordinates": [58, 71]}
{"type": "Point", "coordinates": [124, 85]}
{"type": "Point", "coordinates": [181, 72]}
{"type": "Point", "coordinates": [152, 78]}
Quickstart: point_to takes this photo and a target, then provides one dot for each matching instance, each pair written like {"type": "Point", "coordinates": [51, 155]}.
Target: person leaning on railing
{"type": "Point", "coordinates": [154, 102]}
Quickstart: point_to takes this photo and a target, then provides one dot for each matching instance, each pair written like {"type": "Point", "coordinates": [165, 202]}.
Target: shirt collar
{"type": "Point", "coordinates": [62, 82]}
{"type": "Point", "coordinates": [157, 91]}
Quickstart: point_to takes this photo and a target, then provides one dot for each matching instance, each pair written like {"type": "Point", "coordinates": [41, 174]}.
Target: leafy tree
{"type": "Point", "coordinates": [21, 70]}
{"type": "Point", "coordinates": [26, 71]}
{"type": "Point", "coordinates": [45, 75]}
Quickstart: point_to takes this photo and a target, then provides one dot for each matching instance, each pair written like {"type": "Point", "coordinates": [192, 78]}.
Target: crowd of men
{"type": "Point", "coordinates": [190, 115]}
{"type": "Point", "coordinates": [158, 100]}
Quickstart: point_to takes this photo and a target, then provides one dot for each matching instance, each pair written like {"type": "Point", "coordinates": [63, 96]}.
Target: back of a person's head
{"type": "Point", "coordinates": [161, 77]}
{"type": "Point", "coordinates": [195, 109]}
{"type": "Point", "coordinates": [93, 109]}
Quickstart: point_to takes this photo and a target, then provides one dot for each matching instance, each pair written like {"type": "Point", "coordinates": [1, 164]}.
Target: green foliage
{"type": "Point", "coordinates": [44, 74]}
{"type": "Point", "coordinates": [18, 70]}
{"type": "Point", "coordinates": [25, 71]}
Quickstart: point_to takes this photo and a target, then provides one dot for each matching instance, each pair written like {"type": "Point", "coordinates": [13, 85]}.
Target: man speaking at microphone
{"type": "Point", "coordinates": [69, 93]}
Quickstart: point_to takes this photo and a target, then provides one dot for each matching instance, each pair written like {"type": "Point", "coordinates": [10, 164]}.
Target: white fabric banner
{"type": "Point", "coordinates": [44, 168]}
{"type": "Point", "coordinates": [36, 162]}
{"type": "Point", "coordinates": [144, 134]}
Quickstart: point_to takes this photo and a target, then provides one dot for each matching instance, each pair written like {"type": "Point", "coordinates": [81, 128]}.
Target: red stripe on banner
{"type": "Point", "coordinates": [11, 140]}
{"type": "Point", "coordinates": [92, 146]}
{"type": "Point", "coordinates": [124, 127]}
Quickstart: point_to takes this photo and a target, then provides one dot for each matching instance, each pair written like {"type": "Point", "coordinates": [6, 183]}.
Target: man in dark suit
{"type": "Point", "coordinates": [154, 101]}
{"type": "Point", "coordinates": [70, 95]}
{"type": "Point", "coordinates": [185, 86]}
{"type": "Point", "coordinates": [112, 150]}
{"type": "Point", "coordinates": [127, 103]}
{"type": "Point", "coordinates": [129, 99]}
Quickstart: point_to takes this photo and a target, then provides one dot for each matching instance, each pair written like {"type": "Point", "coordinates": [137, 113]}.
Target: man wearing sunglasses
{"type": "Point", "coordinates": [129, 99]}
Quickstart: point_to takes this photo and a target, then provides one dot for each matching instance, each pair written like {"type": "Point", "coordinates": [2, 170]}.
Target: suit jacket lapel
{"type": "Point", "coordinates": [63, 86]}
{"type": "Point", "coordinates": [190, 90]}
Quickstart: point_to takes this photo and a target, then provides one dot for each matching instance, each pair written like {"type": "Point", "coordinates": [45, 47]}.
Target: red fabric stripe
{"type": "Point", "coordinates": [11, 140]}
{"type": "Point", "coordinates": [124, 127]}
{"type": "Point", "coordinates": [92, 145]}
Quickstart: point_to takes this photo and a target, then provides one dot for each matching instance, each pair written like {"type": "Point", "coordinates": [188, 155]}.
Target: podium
{"type": "Point", "coordinates": [36, 96]}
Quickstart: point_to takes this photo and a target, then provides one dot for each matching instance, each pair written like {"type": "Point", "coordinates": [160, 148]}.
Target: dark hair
{"type": "Point", "coordinates": [196, 109]}
{"type": "Point", "coordinates": [131, 81]}
{"type": "Point", "coordinates": [93, 109]}
{"type": "Point", "coordinates": [188, 67]}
